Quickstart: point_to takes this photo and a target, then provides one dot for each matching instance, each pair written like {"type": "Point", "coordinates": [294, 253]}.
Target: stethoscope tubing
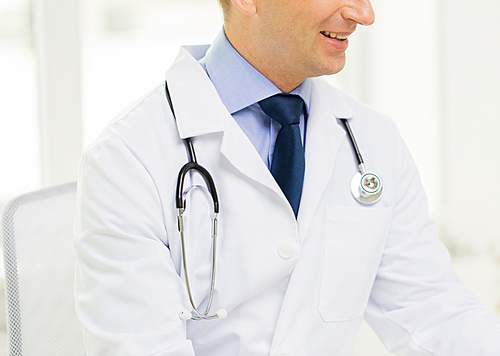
{"type": "Point", "coordinates": [353, 141]}
{"type": "Point", "coordinates": [366, 188]}
{"type": "Point", "coordinates": [199, 315]}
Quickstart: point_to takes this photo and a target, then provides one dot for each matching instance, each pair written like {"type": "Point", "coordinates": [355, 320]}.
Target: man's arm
{"type": "Point", "coordinates": [128, 294]}
{"type": "Point", "coordinates": [418, 305]}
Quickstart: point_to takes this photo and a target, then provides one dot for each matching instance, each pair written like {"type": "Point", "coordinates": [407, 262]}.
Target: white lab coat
{"type": "Point", "coordinates": [291, 287]}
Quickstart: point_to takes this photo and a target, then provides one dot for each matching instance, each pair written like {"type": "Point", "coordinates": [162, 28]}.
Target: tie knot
{"type": "Point", "coordinates": [284, 108]}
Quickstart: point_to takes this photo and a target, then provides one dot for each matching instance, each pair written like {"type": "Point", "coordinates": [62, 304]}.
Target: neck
{"type": "Point", "coordinates": [274, 69]}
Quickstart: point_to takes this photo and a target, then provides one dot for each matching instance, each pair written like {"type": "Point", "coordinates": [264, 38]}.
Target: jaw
{"type": "Point", "coordinates": [330, 66]}
{"type": "Point", "coordinates": [287, 58]}
{"type": "Point", "coordinates": [328, 55]}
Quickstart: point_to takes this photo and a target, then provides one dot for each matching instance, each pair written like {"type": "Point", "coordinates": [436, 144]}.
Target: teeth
{"type": "Point", "coordinates": [334, 35]}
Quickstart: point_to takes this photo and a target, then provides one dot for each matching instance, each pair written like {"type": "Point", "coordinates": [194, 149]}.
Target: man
{"type": "Point", "coordinates": [300, 262]}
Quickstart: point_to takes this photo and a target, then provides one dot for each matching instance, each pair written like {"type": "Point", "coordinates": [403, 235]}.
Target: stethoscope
{"type": "Point", "coordinates": [366, 188]}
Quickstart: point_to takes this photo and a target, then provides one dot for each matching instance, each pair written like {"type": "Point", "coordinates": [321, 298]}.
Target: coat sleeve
{"type": "Point", "coordinates": [127, 292]}
{"type": "Point", "coordinates": [418, 305]}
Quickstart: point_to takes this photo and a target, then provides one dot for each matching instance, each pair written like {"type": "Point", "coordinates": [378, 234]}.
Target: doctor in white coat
{"type": "Point", "coordinates": [297, 286]}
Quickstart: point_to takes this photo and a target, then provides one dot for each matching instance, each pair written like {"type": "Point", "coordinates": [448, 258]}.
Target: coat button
{"type": "Point", "coordinates": [285, 250]}
{"type": "Point", "coordinates": [278, 352]}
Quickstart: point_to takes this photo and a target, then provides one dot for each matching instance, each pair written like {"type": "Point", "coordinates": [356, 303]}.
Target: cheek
{"type": "Point", "coordinates": [292, 15]}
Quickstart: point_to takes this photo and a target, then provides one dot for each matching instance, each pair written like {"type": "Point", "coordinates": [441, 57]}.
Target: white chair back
{"type": "Point", "coordinates": [39, 273]}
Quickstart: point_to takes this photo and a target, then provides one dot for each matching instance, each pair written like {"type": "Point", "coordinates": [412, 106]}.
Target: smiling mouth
{"type": "Point", "coordinates": [335, 36]}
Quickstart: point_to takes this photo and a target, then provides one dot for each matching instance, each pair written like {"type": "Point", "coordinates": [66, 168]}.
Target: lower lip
{"type": "Point", "coordinates": [336, 44]}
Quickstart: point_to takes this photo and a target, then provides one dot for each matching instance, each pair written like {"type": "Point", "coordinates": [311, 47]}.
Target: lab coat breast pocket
{"type": "Point", "coordinates": [354, 242]}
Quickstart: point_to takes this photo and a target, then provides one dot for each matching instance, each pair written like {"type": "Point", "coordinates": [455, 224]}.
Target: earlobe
{"type": "Point", "coordinates": [247, 7]}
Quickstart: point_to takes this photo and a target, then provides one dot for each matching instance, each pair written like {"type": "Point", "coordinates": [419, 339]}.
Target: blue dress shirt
{"type": "Point", "coordinates": [240, 87]}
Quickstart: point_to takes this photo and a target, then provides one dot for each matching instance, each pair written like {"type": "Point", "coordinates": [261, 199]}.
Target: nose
{"type": "Point", "coordinates": [359, 11]}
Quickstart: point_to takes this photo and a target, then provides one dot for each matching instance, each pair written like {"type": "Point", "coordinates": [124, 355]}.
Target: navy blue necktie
{"type": "Point", "coordinates": [288, 164]}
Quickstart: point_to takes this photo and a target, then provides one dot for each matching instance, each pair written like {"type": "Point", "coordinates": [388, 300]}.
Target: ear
{"type": "Point", "coordinates": [247, 7]}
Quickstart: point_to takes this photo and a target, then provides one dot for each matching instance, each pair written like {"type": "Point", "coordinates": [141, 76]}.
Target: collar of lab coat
{"type": "Point", "coordinates": [198, 107]}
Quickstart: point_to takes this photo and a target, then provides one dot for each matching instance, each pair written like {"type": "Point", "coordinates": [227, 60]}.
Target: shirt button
{"type": "Point", "coordinates": [278, 352]}
{"type": "Point", "coordinates": [285, 251]}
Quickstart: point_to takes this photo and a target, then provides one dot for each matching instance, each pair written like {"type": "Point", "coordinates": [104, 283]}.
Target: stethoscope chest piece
{"type": "Point", "coordinates": [367, 188]}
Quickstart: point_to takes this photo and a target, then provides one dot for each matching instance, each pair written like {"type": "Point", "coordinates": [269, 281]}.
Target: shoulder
{"type": "Point", "coordinates": [145, 120]}
{"type": "Point", "coordinates": [137, 117]}
{"type": "Point", "coordinates": [361, 115]}
{"type": "Point", "coordinates": [143, 132]}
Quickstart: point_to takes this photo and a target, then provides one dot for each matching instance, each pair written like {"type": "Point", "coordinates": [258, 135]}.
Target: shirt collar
{"type": "Point", "coordinates": [238, 84]}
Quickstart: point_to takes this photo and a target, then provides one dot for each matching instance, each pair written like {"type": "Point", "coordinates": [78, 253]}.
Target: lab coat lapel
{"type": "Point", "coordinates": [200, 111]}
{"type": "Point", "coordinates": [323, 138]}
{"type": "Point", "coordinates": [197, 105]}
{"type": "Point", "coordinates": [238, 149]}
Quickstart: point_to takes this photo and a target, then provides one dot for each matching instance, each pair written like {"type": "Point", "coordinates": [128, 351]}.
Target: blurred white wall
{"type": "Point", "coordinates": [470, 121]}
{"type": "Point", "coordinates": [128, 46]}
{"type": "Point", "coordinates": [57, 46]}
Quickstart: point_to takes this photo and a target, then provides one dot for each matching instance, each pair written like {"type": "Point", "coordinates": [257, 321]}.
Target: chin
{"type": "Point", "coordinates": [329, 71]}
{"type": "Point", "coordinates": [330, 67]}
